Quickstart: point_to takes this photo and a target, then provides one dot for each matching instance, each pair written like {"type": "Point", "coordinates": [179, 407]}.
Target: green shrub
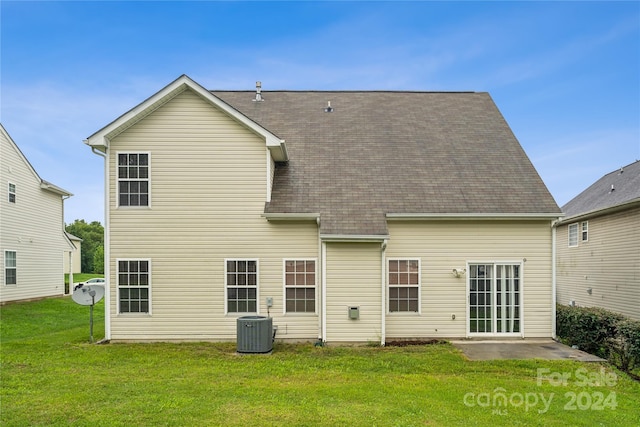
{"type": "Point", "coordinates": [600, 332]}
{"type": "Point", "coordinates": [625, 347]}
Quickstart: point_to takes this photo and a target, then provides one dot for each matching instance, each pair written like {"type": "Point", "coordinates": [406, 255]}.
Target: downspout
{"type": "Point", "coordinates": [553, 278]}
{"type": "Point", "coordinates": [383, 299]}
{"type": "Point", "coordinates": [323, 255]}
{"type": "Point", "coordinates": [64, 230]}
{"type": "Point", "coordinates": [321, 272]}
{"type": "Point", "coordinates": [107, 252]}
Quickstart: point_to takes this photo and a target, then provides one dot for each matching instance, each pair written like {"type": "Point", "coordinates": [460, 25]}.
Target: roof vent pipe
{"type": "Point", "coordinates": [329, 108]}
{"type": "Point", "coordinates": [258, 97]}
{"type": "Point", "coordinates": [612, 189]}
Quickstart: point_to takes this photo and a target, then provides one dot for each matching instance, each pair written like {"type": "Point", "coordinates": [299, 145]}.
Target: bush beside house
{"type": "Point", "coordinates": [601, 332]}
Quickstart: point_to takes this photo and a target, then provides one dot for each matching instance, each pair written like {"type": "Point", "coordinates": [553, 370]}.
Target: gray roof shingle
{"type": "Point", "coordinates": [625, 183]}
{"type": "Point", "coordinates": [393, 152]}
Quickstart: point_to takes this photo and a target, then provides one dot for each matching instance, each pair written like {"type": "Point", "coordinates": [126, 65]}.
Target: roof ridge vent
{"type": "Point", "coordinates": [329, 108]}
{"type": "Point", "coordinates": [258, 97]}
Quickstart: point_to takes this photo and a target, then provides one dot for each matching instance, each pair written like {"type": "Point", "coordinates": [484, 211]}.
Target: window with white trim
{"type": "Point", "coordinates": [573, 235]}
{"type": "Point", "coordinates": [134, 281]}
{"type": "Point", "coordinates": [10, 268]}
{"type": "Point", "coordinates": [12, 192]}
{"type": "Point", "coordinates": [133, 179]}
{"type": "Point", "coordinates": [584, 231]}
{"type": "Point", "coordinates": [241, 277]}
{"type": "Point", "coordinates": [300, 286]}
{"type": "Point", "coordinates": [404, 285]}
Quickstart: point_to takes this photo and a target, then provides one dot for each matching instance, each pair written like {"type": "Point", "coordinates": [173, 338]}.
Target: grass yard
{"type": "Point", "coordinates": [52, 376]}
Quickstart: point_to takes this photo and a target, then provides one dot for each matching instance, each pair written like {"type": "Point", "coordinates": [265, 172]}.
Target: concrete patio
{"type": "Point", "coordinates": [522, 349]}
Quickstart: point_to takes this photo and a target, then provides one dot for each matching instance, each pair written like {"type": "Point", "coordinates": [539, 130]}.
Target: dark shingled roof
{"type": "Point", "coordinates": [625, 183]}
{"type": "Point", "coordinates": [393, 152]}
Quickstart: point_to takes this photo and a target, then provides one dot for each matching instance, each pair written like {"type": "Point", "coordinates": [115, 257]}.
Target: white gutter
{"type": "Point", "coordinates": [291, 216]}
{"type": "Point", "coordinates": [466, 216]}
{"type": "Point", "coordinates": [598, 212]}
{"type": "Point", "coordinates": [353, 238]}
{"type": "Point", "coordinates": [107, 246]}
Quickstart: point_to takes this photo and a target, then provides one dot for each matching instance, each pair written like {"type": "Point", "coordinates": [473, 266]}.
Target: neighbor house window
{"type": "Point", "coordinates": [134, 280]}
{"type": "Point", "coordinates": [10, 268]}
{"type": "Point", "coordinates": [404, 285]}
{"type": "Point", "coordinates": [585, 230]}
{"type": "Point", "coordinates": [12, 193]}
{"type": "Point", "coordinates": [242, 285]}
{"type": "Point", "coordinates": [573, 235]}
{"type": "Point", "coordinates": [133, 179]}
{"type": "Point", "coordinates": [300, 286]}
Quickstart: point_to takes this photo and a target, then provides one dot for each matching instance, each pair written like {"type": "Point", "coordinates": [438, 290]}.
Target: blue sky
{"type": "Point", "coordinates": [566, 75]}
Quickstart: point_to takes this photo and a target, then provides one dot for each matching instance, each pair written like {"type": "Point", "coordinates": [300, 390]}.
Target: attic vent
{"type": "Point", "coordinates": [621, 171]}
{"type": "Point", "coordinates": [329, 108]}
{"type": "Point", "coordinates": [258, 97]}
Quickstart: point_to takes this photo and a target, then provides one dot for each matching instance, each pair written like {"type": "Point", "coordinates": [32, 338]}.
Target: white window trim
{"type": "Point", "coordinates": [117, 185]}
{"type": "Point", "coordinates": [584, 230]}
{"type": "Point", "coordinates": [14, 192]}
{"type": "Point", "coordinates": [522, 300]}
{"type": "Point", "coordinates": [148, 314]}
{"type": "Point", "coordinates": [226, 294]}
{"type": "Point", "coordinates": [4, 270]}
{"type": "Point", "coordinates": [419, 286]}
{"type": "Point", "coordinates": [284, 288]}
{"type": "Point", "coordinates": [575, 224]}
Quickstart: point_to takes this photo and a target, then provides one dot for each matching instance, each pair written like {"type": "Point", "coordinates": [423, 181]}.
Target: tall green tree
{"type": "Point", "coordinates": [92, 235]}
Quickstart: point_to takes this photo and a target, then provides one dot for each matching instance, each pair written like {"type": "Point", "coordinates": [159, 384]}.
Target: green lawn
{"type": "Point", "coordinates": [51, 375]}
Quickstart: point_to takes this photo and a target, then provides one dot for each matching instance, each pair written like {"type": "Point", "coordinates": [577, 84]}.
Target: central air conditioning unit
{"type": "Point", "coordinates": [255, 334]}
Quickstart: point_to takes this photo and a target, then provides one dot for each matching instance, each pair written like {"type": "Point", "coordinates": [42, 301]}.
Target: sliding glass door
{"type": "Point", "coordinates": [494, 298]}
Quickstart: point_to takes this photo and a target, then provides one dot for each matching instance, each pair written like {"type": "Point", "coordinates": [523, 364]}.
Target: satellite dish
{"type": "Point", "coordinates": [88, 294]}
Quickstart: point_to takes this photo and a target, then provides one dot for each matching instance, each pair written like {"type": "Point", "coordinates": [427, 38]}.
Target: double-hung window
{"type": "Point", "coordinates": [300, 286]}
{"type": "Point", "coordinates": [404, 285]}
{"type": "Point", "coordinates": [10, 268]}
{"type": "Point", "coordinates": [573, 235]}
{"type": "Point", "coordinates": [241, 277]}
{"type": "Point", "coordinates": [133, 179]}
{"type": "Point", "coordinates": [584, 231]}
{"type": "Point", "coordinates": [12, 192]}
{"type": "Point", "coordinates": [134, 281]}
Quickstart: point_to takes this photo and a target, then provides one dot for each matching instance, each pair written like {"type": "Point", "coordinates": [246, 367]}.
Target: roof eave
{"type": "Point", "coordinates": [354, 238]}
{"type": "Point", "coordinates": [601, 211]}
{"type": "Point", "coordinates": [45, 185]}
{"type": "Point", "coordinates": [473, 216]}
{"type": "Point", "coordinates": [100, 139]}
{"type": "Point", "coordinates": [279, 216]}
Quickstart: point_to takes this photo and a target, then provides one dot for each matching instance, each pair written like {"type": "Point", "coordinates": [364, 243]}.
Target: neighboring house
{"type": "Point", "coordinates": [598, 245]}
{"type": "Point", "coordinates": [73, 257]}
{"type": "Point", "coordinates": [384, 215]}
{"type": "Point", "coordinates": [32, 237]}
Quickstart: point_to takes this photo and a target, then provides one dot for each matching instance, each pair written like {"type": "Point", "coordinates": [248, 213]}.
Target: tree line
{"type": "Point", "coordinates": [92, 253]}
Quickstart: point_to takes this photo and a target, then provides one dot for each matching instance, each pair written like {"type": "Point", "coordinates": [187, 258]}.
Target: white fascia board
{"type": "Point", "coordinates": [291, 216]}
{"type": "Point", "coordinates": [54, 188]}
{"type": "Point", "coordinates": [354, 238]}
{"type": "Point", "coordinates": [100, 139]}
{"type": "Point", "coordinates": [471, 216]}
{"type": "Point", "coordinates": [599, 212]}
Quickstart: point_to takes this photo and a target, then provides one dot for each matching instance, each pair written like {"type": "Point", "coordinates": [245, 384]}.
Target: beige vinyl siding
{"type": "Point", "coordinates": [445, 245]}
{"type": "Point", "coordinates": [353, 275]}
{"type": "Point", "coordinates": [32, 227]}
{"type": "Point", "coordinates": [608, 264]}
{"type": "Point", "coordinates": [207, 194]}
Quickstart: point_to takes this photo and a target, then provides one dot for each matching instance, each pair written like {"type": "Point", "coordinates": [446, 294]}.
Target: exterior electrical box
{"type": "Point", "coordinates": [354, 313]}
{"type": "Point", "coordinates": [254, 334]}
